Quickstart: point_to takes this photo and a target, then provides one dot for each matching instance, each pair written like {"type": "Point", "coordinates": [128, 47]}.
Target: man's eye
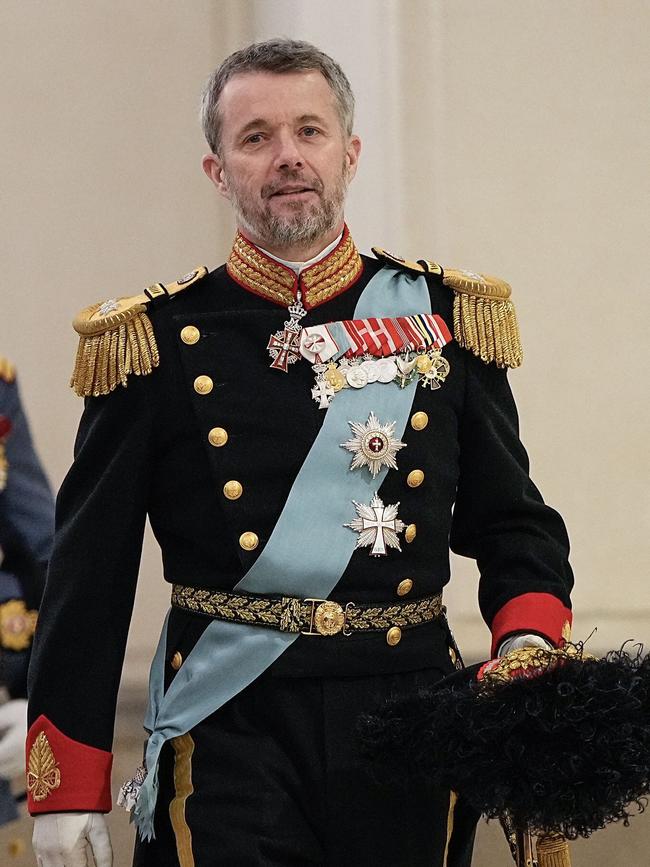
{"type": "Point", "coordinates": [310, 131]}
{"type": "Point", "coordinates": [254, 139]}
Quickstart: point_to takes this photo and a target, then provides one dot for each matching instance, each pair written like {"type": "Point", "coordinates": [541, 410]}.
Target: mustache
{"type": "Point", "coordinates": [292, 177]}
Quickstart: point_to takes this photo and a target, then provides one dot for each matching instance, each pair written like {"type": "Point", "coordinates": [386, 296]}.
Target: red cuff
{"type": "Point", "coordinates": [532, 612]}
{"type": "Point", "coordinates": [63, 774]}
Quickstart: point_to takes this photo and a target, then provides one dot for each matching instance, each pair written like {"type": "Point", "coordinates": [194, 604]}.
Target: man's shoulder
{"type": "Point", "coordinates": [484, 316]}
{"type": "Point", "coordinates": [116, 335]}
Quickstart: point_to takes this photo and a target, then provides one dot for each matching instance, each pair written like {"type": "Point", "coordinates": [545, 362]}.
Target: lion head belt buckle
{"type": "Point", "coordinates": [327, 618]}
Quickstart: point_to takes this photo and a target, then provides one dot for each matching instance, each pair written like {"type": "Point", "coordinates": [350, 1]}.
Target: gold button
{"type": "Point", "coordinates": [233, 490]}
{"type": "Point", "coordinates": [415, 478]}
{"type": "Point", "coordinates": [410, 532]}
{"type": "Point", "coordinates": [393, 636]}
{"type": "Point", "coordinates": [218, 437]}
{"type": "Point", "coordinates": [404, 587]}
{"type": "Point", "coordinates": [176, 660]}
{"type": "Point", "coordinates": [203, 384]}
{"type": "Point", "coordinates": [190, 334]}
{"type": "Point", "coordinates": [419, 420]}
{"type": "Point", "coordinates": [249, 541]}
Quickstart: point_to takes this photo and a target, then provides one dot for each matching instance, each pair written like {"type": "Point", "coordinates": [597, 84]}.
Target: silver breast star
{"type": "Point", "coordinates": [374, 445]}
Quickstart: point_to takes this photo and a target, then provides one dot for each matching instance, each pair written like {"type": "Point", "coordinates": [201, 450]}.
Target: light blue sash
{"type": "Point", "coordinates": [305, 556]}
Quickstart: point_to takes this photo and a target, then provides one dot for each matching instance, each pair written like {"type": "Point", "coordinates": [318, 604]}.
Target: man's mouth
{"type": "Point", "coordinates": [292, 191]}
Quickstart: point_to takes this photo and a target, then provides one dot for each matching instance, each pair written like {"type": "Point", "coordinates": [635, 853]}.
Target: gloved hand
{"type": "Point", "coordinates": [63, 840]}
{"type": "Point", "coordinates": [517, 642]}
{"type": "Point", "coordinates": [13, 731]}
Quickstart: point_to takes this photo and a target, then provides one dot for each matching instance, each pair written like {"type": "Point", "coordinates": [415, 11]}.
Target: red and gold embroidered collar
{"type": "Point", "coordinates": [258, 273]}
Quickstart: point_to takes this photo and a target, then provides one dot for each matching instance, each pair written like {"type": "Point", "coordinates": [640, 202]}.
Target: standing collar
{"type": "Point", "coordinates": [319, 282]}
{"type": "Point", "coordinates": [298, 267]}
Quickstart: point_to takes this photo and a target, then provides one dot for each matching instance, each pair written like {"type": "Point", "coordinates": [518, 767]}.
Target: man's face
{"type": "Point", "coordinates": [285, 162]}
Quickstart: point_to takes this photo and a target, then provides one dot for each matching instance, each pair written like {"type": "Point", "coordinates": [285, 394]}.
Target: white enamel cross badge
{"type": "Point", "coordinates": [377, 526]}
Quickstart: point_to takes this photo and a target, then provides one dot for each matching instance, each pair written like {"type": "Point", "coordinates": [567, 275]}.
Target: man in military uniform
{"type": "Point", "coordinates": [26, 531]}
{"type": "Point", "coordinates": [298, 425]}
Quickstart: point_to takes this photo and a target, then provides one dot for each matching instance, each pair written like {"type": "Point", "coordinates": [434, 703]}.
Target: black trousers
{"type": "Point", "coordinates": [275, 779]}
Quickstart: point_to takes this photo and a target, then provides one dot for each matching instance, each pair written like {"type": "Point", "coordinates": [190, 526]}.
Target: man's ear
{"type": "Point", "coordinates": [213, 167]}
{"type": "Point", "coordinates": [352, 153]}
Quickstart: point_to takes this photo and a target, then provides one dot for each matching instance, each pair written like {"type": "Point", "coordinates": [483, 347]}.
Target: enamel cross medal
{"type": "Point", "coordinates": [284, 346]}
{"type": "Point", "coordinates": [377, 526]}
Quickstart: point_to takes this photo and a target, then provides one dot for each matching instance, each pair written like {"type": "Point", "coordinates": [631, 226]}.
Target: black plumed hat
{"type": "Point", "coordinates": [564, 751]}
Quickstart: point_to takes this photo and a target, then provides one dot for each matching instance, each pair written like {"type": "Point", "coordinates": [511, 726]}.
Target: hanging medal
{"type": "Point", "coordinates": [284, 346]}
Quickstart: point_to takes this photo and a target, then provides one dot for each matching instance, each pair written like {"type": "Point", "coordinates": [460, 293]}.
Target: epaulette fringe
{"type": "Point", "coordinates": [7, 370]}
{"type": "Point", "coordinates": [116, 338]}
{"type": "Point", "coordinates": [485, 321]}
{"type": "Point", "coordinates": [105, 360]}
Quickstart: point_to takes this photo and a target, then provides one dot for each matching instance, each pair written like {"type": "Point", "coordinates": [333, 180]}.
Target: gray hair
{"type": "Point", "coordinates": [275, 55]}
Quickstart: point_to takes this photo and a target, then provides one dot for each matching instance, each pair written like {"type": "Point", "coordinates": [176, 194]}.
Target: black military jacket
{"type": "Point", "coordinates": [147, 449]}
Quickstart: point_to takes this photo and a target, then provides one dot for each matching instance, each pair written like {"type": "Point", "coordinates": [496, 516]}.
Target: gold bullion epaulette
{"type": "Point", "coordinates": [485, 321]}
{"type": "Point", "coordinates": [116, 338]}
{"type": "Point", "coordinates": [7, 370]}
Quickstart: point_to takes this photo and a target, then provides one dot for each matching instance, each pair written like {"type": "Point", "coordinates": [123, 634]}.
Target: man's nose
{"type": "Point", "coordinates": [288, 154]}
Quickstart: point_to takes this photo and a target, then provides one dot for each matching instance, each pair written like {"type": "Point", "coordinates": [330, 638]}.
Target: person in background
{"type": "Point", "coordinates": [26, 533]}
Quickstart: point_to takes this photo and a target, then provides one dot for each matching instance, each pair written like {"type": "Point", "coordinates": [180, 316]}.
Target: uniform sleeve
{"type": "Point", "coordinates": [26, 531]}
{"type": "Point", "coordinates": [84, 619]}
{"type": "Point", "coordinates": [500, 519]}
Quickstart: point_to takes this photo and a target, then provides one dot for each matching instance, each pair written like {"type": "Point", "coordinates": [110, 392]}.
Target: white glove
{"type": "Point", "coordinates": [13, 731]}
{"type": "Point", "coordinates": [63, 840]}
{"type": "Point", "coordinates": [517, 642]}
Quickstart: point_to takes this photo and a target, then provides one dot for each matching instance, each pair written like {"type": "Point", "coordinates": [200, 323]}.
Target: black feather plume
{"type": "Point", "coordinates": [566, 751]}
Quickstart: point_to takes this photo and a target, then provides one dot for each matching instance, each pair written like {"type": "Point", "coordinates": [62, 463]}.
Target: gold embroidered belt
{"type": "Point", "coordinates": [308, 616]}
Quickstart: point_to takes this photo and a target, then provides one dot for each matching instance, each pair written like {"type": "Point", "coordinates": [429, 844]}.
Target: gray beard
{"type": "Point", "coordinates": [303, 227]}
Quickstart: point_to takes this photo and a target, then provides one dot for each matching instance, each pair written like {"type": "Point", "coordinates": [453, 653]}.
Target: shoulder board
{"type": "Point", "coordinates": [116, 338]}
{"type": "Point", "coordinates": [422, 266]}
{"type": "Point", "coordinates": [485, 321]}
{"type": "Point", "coordinates": [7, 370]}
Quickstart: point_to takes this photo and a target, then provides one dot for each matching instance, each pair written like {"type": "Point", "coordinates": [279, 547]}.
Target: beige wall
{"type": "Point", "coordinates": [508, 136]}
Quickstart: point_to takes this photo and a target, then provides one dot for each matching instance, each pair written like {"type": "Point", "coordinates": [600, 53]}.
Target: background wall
{"type": "Point", "coordinates": [508, 136]}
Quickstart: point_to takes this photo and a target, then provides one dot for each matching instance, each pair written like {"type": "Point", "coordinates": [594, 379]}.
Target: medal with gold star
{"type": "Point", "coordinates": [374, 445]}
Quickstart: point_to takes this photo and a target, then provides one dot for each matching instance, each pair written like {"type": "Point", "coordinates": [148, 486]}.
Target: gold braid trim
{"type": "Point", "coordinates": [251, 268]}
{"type": "Point", "coordinates": [553, 851]}
{"type": "Point", "coordinates": [7, 370]}
{"type": "Point", "coordinates": [183, 787]}
{"type": "Point", "coordinates": [117, 339]}
{"type": "Point", "coordinates": [529, 661]}
{"type": "Point", "coordinates": [255, 271]}
{"type": "Point", "coordinates": [484, 317]}
{"type": "Point", "coordinates": [333, 273]}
